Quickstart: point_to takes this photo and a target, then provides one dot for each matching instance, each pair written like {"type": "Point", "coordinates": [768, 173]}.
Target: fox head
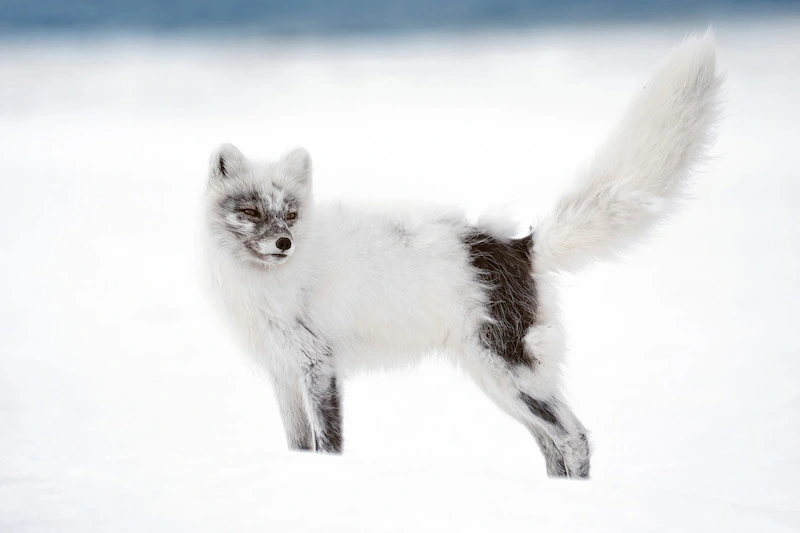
{"type": "Point", "coordinates": [257, 211]}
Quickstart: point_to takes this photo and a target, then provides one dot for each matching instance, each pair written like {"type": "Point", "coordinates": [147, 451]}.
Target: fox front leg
{"type": "Point", "coordinates": [289, 393]}
{"type": "Point", "coordinates": [322, 399]}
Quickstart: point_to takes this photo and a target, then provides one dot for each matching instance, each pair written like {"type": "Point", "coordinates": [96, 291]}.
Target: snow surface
{"type": "Point", "coordinates": [124, 405]}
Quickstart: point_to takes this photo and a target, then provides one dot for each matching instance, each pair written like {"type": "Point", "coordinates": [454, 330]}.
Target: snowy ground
{"type": "Point", "coordinates": [125, 407]}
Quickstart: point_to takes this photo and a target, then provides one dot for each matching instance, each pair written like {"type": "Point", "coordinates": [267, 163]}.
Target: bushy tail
{"type": "Point", "coordinates": [638, 176]}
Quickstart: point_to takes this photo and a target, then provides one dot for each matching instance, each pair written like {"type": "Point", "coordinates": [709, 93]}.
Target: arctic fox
{"type": "Point", "coordinates": [318, 290]}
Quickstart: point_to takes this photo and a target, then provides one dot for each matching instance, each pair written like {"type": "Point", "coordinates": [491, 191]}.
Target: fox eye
{"type": "Point", "coordinates": [250, 212]}
{"type": "Point", "coordinates": [291, 215]}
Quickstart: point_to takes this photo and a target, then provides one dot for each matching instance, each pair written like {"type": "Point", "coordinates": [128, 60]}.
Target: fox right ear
{"type": "Point", "coordinates": [227, 161]}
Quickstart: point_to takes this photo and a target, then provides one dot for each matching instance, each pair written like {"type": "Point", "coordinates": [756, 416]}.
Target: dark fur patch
{"type": "Point", "coordinates": [330, 413]}
{"type": "Point", "coordinates": [541, 409]}
{"type": "Point", "coordinates": [222, 169]}
{"type": "Point", "coordinates": [504, 267]}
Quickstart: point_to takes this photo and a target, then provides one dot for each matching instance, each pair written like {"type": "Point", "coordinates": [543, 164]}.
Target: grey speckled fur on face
{"type": "Point", "coordinates": [260, 221]}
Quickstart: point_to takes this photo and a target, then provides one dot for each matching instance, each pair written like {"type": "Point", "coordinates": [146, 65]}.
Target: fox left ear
{"type": "Point", "coordinates": [296, 165]}
{"type": "Point", "coordinates": [226, 161]}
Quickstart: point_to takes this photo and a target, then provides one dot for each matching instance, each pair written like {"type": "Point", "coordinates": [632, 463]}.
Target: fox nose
{"type": "Point", "coordinates": [283, 244]}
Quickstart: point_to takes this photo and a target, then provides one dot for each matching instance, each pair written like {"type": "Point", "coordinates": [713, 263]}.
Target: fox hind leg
{"type": "Point", "coordinates": [554, 459]}
{"type": "Point", "coordinates": [536, 402]}
{"type": "Point", "coordinates": [552, 421]}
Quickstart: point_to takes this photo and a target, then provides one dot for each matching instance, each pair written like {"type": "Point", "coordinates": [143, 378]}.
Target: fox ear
{"type": "Point", "coordinates": [296, 165]}
{"type": "Point", "coordinates": [227, 161]}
